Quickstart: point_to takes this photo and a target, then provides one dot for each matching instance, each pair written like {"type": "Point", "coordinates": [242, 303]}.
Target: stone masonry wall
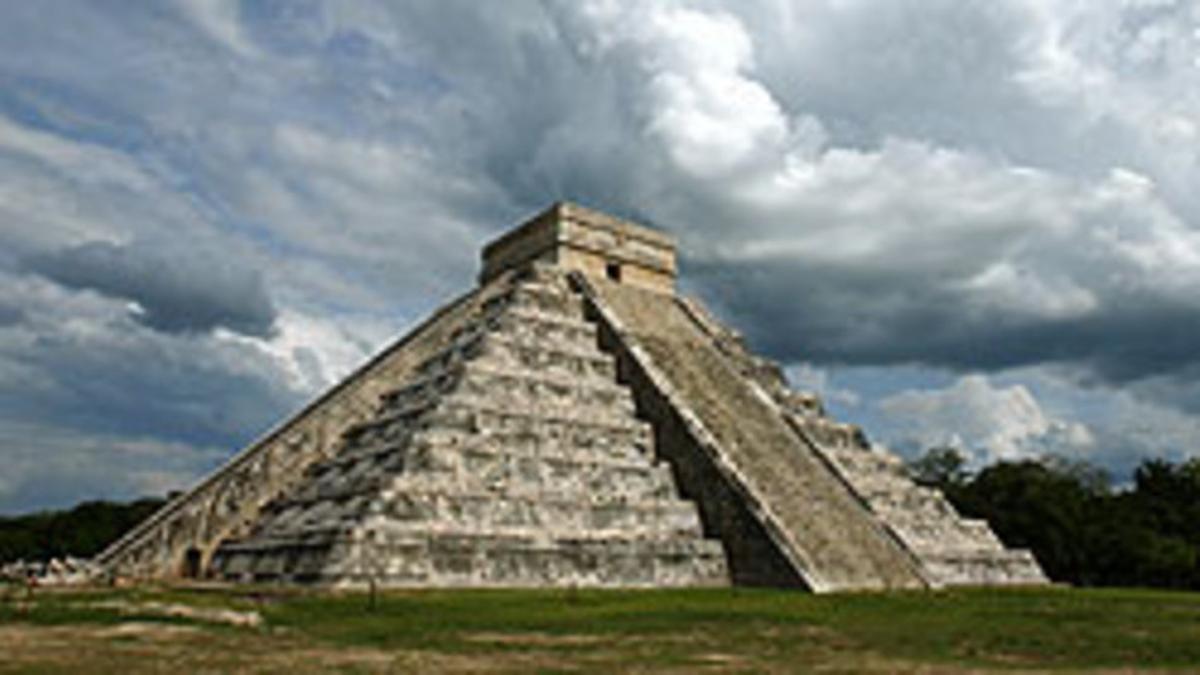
{"type": "Point", "coordinates": [513, 457]}
{"type": "Point", "coordinates": [180, 539]}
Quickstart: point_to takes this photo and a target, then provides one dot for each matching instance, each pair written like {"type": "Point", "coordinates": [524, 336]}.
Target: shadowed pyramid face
{"type": "Point", "coordinates": [578, 239]}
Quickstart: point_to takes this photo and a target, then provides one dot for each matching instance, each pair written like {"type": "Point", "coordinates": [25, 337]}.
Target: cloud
{"type": "Point", "coordinates": [220, 21]}
{"type": "Point", "coordinates": [988, 423]}
{"type": "Point", "coordinates": [806, 377]}
{"type": "Point", "coordinates": [927, 186]}
{"type": "Point", "coordinates": [173, 294]}
{"type": "Point", "coordinates": [78, 361]}
{"type": "Point", "coordinates": [57, 469]}
{"type": "Point", "coordinates": [10, 315]}
{"type": "Point", "coordinates": [945, 211]}
{"type": "Point", "coordinates": [906, 249]}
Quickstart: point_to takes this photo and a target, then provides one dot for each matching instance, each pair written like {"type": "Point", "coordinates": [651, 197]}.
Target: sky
{"type": "Point", "coordinates": [966, 222]}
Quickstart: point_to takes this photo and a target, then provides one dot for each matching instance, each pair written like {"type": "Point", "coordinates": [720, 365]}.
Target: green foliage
{"type": "Point", "coordinates": [82, 531]}
{"type": "Point", "coordinates": [943, 467]}
{"type": "Point", "coordinates": [1081, 530]}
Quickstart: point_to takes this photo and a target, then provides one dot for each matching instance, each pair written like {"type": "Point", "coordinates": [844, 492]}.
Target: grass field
{"type": "Point", "coordinates": [220, 630]}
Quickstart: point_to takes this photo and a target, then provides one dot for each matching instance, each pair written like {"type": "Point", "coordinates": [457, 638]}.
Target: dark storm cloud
{"type": "Point", "coordinates": [962, 185]}
{"type": "Point", "coordinates": [177, 293]}
{"type": "Point", "coordinates": [131, 383]}
{"type": "Point", "coordinates": [10, 315]}
{"type": "Point", "coordinates": [95, 403]}
{"type": "Point", "coordinates": [855, 317]}
{"type": "Point", "coordinates": [883, 249]}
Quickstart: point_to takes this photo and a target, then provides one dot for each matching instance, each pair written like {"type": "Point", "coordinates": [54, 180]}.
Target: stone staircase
{"type": "Point", "coordinates": [511, 457]}
{"type": "Point", "coordinates": [952, 550]}
{"type": "Point", "coordinates": [812, 519]}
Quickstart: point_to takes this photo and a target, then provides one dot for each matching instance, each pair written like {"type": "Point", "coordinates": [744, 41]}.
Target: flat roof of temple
{"type": "Point", "coordinates": [586, 240]}
{"type": "Point", "coordinates": [570, 211]}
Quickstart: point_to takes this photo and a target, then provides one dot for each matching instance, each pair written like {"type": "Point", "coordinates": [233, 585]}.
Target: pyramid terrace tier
{"type": "Point", "coordinates": [498, 472]}
{"type": "Point", "coordinates": [414, 509]}
{"type": "Point", "coordinates": [547, 295]}
{"type": "Point", "coordinates": [533, 324]}
{"type": "Point", "coordinates": [1004, 567]}
{"type": "Point", "coordinates": [479, 561]}
{"type": "Point", "coordinates": [528, 325]}
{"type": "Point", "coordinates": [473, 416]}
{"type": "Point", "coordinates": [927, 535]}
{"type": "Point", "coordinates": [503, 350]}
{"type": "Point", "coordinates": [953, 550]}
{"type": "Point", "coordinates": [618, 446]}
{"type": "Point", "coordinates": [487, 383]}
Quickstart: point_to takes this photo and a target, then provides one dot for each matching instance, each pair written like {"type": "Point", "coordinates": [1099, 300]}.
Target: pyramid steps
{"type": "Point", "coordinates": [950, 549]}
{"type": "Point", "coordinates": [228, 501]}
{"type": "Point", "coordinates": [481, 512]}
{"type": "Point", "coordinates": [572, 421]}
{"type": "Point", "coordinates": [510, 446]}
{"type": "Point", "coordinates": [486, 560]}
{"type": "Point", "coordinates": [811, 519]}
{"type": "Point", "coordinates": [954, 550]}
{"type": "Point", "coordinates": [530, 474]}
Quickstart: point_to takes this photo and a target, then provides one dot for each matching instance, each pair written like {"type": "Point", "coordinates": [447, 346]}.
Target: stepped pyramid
{"type": "Point", "coordinates": [571, 421]}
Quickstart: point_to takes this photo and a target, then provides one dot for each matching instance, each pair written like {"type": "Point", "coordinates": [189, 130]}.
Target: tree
{"type": "Point", "coordinates": [82, 531]}
{"type": "Point", "coordinates": [942, 467]}
{"type": "Point", "coordinates": [1084, 532]}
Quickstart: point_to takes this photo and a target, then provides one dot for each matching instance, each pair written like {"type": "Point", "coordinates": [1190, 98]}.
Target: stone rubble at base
{"type": "Point", "coordinates": [570, 422]}
{"type": "Point", "coordinates": [65, 571]}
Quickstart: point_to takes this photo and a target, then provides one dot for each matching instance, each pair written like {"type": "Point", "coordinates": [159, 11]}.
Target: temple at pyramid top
{"type": "Point", "coordinates": [577, 238]}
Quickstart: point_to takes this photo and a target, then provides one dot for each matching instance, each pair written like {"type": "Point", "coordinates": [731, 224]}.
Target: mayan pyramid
{"type": "Point", "coordinates": [572, 421]}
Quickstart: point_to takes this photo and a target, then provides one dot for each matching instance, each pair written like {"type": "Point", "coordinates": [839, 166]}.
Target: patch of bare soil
{"type": "Point", "coordinates": [535, 639]}
{"type": "Point", "coordinates": [231, 617]}
{"type": "Point", "coordinates": [145, 630]}
{"type": "Point", "coordinates": [147, 646]}
{"type": "Point", "coordinates": [138, 646]}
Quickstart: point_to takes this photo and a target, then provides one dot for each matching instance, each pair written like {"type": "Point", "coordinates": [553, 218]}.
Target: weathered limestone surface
{"type": "Point", "coordinates": [952, 550]}
{"type": "Point", "coordinates": [179, 539]}
{"type": "Point", "coordinates": [571, 421]}
{"type": "Point", "coordinates": [816, 523]}
{"type": "Point", "coordinates": [573, 237]}
{"type": "Point", "coordinates": [510, 457]}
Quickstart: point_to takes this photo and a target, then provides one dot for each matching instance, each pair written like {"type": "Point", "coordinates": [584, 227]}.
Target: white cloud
{"type": "Point", "coordinates": [989, 423]}
{"type": "Point", "coordinates": [957, 184]}
{"type": "Point", "coordinates": [713, 119]}
{"type": "Point", "coordinates": [314, 352]}
{"type": "Point", "coordinates": [808, 378]}
{"type": "Point", "coordinates": [220, 20]}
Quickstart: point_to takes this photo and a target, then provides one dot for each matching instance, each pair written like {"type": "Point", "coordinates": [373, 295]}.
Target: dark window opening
{"type": "Point", "coordinates": [191, 563]}
{"type": "Point", "coordinates": [613, 270]}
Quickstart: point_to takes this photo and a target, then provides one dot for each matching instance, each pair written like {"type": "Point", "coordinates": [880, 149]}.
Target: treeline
{"type": "Point", "coordinates": [1083, 530]}
{"type": "Point", "coordinates": [81, 532]}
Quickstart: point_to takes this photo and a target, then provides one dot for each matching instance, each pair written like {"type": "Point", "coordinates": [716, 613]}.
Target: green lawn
{"type": "Point", "coordinates": [681, 630]}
